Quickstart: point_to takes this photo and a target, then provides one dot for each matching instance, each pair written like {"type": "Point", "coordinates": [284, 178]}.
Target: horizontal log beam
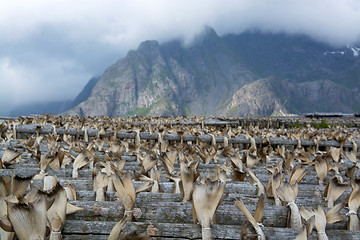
{"type": "Point", "coordinates": [305, 190]}
{"type": "Point", "coordinates": [331, 115]}
{"type": "Point", "coordinates": [191, 231]}
{"type": "Point", "coordinates": [181, 212]}
{"type": "Point", "coordinates": [248, 199]}
{"type": "Point", "coordinates": [47, 129]}
{"type": "Point", "coordinates": [261, 172]}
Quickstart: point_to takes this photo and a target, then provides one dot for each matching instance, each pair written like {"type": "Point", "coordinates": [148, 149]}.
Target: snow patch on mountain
{"type": "Point", "coordinates": [334, 52]}
{"type": "Point", "coordinates": [355, 51]}
{"type": "Point", "coordinates": [350, 48]}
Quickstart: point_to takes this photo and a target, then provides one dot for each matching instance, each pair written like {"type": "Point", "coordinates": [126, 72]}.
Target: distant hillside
{"type": "Point", "coordinates": [296, 57]}
{"type": "Point", "coordinates": [220, 75]}
{"type": "Point", "coordinates": [85, 92]}
{"type": "Point", "coordinates": [54, 107]}
{"type": "Point", "coordinates": [266, 97]}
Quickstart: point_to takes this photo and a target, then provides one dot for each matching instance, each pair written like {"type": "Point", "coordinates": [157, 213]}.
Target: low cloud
{"type": "Point", "coordinates": [55, 46]}
{"type": "Point", "coordinates": [22, 83]}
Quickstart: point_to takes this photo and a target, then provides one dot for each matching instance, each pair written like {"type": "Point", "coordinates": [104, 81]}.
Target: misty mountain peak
{"type": "Point", "coordinates": [150, 50]}
{"type": "Point", "coordinates": [219, 76]}
{"type": "Point", "coordinates": [148, 45]}
{"type": "Point", "coordinates": [207, 35]}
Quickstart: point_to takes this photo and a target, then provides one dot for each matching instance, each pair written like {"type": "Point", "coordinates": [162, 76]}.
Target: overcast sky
{"type": "Point", "coordinates": [49, 49]}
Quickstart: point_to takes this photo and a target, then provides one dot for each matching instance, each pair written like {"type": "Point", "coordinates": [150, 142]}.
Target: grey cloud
{"type": "Point", "coordinates": [56, 44]}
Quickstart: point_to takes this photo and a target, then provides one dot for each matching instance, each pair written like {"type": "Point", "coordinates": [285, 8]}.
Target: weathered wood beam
{"type": "Point", "coordinates": [32, 129]}
{"type": "Point", "coordinates": [330, 115]}
{"type": "Point", "coordinates": [146, 197]}
{"type": "Point", "coordinates": [232, 187]}
{"type": "Point", "coordinates": [180, 212]}
{"type": "Point", "coordinates": [93, 236]}
{"type": "Point", "coordinates": [6, 118]}
{"type": "Point", "coordinates": [192, 231]}
{"type": "Point", "coordinates": [261, 172]}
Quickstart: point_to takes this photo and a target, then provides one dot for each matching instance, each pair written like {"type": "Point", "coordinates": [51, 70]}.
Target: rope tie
{"type": "Point", "coordinates": [351, 212]}
{"type": "Point", "coordinates": [292, 202]}
{"type": "Point", "coordinates": [206, 228]}
{"type": "Point", "coordinates": [55, 233]}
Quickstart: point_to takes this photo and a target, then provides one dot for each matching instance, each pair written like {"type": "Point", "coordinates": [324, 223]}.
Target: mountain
{"type": "Point", "coordinates": [51, 107]}
{"type": "Point", "coordinates": [249, 74]}
{"type": "Point", "coordinates": [54, 107]}
{"type": "Point", "coordinates": [295, 57]}
{"type": "Point", "coordinates": [266, 97]}
{"type": "Point", "coordinates": [85, 92]}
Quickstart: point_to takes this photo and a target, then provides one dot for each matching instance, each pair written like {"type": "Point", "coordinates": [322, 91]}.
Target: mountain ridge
{"type": "Point", "coordinates": [209, 77]}
{"type": "Point", "coordinates": [54, 107]}
{"type": "Point", "coordinates": [267, 97]}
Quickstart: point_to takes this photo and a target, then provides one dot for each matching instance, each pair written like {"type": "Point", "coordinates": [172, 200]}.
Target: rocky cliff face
{"type": "Point", "coordinates": [169, 80]}
{"type": "Point", "coordinates": [267, 97]}
{"type": "Point", "coordinates": [236, 75]}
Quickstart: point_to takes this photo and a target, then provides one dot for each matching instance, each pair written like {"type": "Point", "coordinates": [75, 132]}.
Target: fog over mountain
{"type": "Point", "coordinates": [50, 49]}
{"type": "Point", "coordinates": [247, 74]}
